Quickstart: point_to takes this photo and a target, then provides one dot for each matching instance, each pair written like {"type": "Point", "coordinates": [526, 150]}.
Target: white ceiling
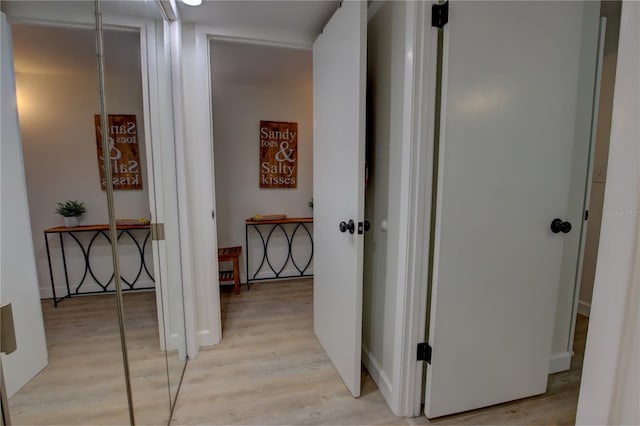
{"type": "Point", "coordinates": [51, 49]}
{"type": "Point", "coordinates": [255, 64]}
{"type": "Point", "coordinates": [79, 11]}
{"type": "Point", "coordinates": [297, 20]}
{"type": "Point", "coordinates": [39, 49]}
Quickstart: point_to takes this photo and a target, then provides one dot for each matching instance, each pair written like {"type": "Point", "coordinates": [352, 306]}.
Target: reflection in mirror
{"type": "Point", "coordinates": [164, 181]}
{"type": "Point", "coordinates": [138, 92]}
{"type": "Point", "coordinates": [56, 79]}
{"type": "Point", "coordinates": [129, 165]}
{"type": "Point", "coordinates": [81, 379]}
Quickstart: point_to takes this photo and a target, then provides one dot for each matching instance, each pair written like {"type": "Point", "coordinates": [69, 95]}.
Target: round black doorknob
{"type": "Point", "coordinates": [558, 225]}
{"type": "Point", "coordinates": [348, 226]}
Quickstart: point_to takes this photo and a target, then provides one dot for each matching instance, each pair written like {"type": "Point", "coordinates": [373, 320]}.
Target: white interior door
{"type": "Point", "coordinates": [339, 56]}
{"type": "Point", "coordinates": [18, 279]}
{"type": "Point", "coordinates": [508, 129]}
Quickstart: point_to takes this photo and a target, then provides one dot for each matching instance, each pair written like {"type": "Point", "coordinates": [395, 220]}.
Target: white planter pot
{"type": "Point", "coordinates": [71, 222]}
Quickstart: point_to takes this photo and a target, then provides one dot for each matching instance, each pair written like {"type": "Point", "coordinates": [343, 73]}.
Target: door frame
{"type": "Point", "coordinates": [415, 307]}
{"type": "Point", "coordinates": [418, 124]}
{"type": "Point", "coordinates": [163, 181]}
{"type": "Point", "coordinates": [403, 391]}
{"type": "Point", "coordinates": [404, 396]}
{"type": "Point", "coordinates": [196, 126]}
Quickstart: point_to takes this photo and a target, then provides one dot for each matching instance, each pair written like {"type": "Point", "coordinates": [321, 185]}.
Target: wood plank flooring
{"type": "Point", "coordinates": [270, 369]}
{"type": "Point", "coordinates": [556, 407]}
{"type": "Point", "coordinates": [84, 381]}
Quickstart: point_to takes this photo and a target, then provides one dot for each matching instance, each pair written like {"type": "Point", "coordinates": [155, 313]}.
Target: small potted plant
{"type": "Point", "coordinates": [71, 211]}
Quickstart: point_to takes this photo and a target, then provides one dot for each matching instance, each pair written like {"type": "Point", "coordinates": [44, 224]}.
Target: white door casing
{"type": "Point", "coordinates": [161, 175]}
{"type": "Point", "coordinates": [509, 94]}
{"type": "Point", "coordinates": [339, 84]}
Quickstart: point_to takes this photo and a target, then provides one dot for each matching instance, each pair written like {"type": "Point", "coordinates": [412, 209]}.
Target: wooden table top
{"type": "Point", "coordinates": [280, 221]}
{"type": "Point", "coordinates": [101, 227]}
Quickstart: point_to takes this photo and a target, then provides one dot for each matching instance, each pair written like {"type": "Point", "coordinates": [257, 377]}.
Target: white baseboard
{"type": "Point", "coordinates": [378, 376]}
{"type": "Point", "coordinates": [206, 338]}
{"type": "Point", "coordinates": [584, 308]}
{"type": "Point", "coordinates": [173, 342]}
{"type": "Point", "coordinates": [560, 361]}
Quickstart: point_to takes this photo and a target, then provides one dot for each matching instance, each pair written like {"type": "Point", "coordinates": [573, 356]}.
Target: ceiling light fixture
{"type": "Point", "coordinates": [192, 2]}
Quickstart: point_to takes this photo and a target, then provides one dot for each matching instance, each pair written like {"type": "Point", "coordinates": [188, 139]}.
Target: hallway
{"type": "Point", "coordinates": [270, 369]}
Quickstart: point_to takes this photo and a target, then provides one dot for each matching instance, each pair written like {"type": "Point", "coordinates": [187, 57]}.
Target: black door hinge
{"type": "Point", "coordinates": [586, 215]}
{"type": "Point", "coordinates": [440, 15]}
{"type": "Point", "coordinates": [424, 352]}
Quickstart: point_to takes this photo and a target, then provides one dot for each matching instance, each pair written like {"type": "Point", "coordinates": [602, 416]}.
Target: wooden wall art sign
{"type": "Point", "coordinates": [278, 154]}
{"type": "Point", "coordinates": [125, 152]}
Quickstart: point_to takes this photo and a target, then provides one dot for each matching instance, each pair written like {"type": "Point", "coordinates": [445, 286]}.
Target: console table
{"type": "Point", "coordinates": [290, 229]}
{"type": "Point", "coordinates": [98, 230]}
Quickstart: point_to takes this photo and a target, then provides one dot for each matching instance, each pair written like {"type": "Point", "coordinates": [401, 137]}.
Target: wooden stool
{"type": "Point", "coordinates": [231, 254]}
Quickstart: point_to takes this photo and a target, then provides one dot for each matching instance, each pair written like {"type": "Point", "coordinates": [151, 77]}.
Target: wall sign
{"type": "Point", "coordinates": [125, 152]}
{"type": "Point", "coordinates": [278, 154]}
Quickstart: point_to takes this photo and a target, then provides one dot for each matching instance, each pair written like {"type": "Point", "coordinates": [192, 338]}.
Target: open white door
{"type": "Point", "coordinates": [18, 279]}
{"type": "Point", "coordinates": [512, 107]}
{"type": "Point", "coordinates": [339, 84]}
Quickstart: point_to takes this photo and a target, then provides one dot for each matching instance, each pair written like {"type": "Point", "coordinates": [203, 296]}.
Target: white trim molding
{"type": "Point", "coordinates": [377, 374]}
{"type": "Point", "coordinates": [198, 155]}
{"type": "Point", "coordinates": [560, 361]}
{"type": "Point", "coordinates": [202, 293]}
{"type": "Point", "coordinates": [419, 92]}
{"type": "Point", "coordinates": [189, 294]}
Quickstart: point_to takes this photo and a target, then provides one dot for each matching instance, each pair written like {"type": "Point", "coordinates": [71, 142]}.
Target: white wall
{"type": "Point", "coordinates": [610, 387]}
{"type": "Point", "coordinates": [610, 10]}
{"type": "Point", "coordinates": [562, 350]}
{"type": "Point", "coordinates": [18, 270]}
{"type": "Point", "coordinates": [386, 40]}
{"type": "Point", "coordinates": [195, 172]}
{"type": "Point", "coordinates": [57, 100]}
{"type": "Point", "coordinates": [239, 104]}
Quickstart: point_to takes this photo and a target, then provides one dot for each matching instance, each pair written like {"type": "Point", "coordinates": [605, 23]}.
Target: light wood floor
{"type": "Point", "coordinates": [270, 369]}
{"type": "Point", "coordinates": [84, 381]}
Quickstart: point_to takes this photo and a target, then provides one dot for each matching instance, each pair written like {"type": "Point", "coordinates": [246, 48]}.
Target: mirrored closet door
{"type": "Point", "coordinates": [142, 161]}
{"type": "Point", "coordinates": [99, 344]}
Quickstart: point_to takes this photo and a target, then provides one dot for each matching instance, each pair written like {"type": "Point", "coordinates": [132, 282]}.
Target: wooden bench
{"type": "Point", "coordinates": [230, 254]}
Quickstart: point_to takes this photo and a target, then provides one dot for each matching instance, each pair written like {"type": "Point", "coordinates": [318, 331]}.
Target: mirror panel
{"type": "Point", "coordinates": [166, 194]}
{"type": "Point", "coordinates": [56, 81]}
{"type": "Point", "coordinates": [58, 101]}
{"type": "Point", "coordinates": [151, 179]}
{"type": "Point", "coordinates": [141, 297]}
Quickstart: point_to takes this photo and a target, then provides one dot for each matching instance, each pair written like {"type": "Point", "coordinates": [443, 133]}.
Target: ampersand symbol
{"type": "Point", "coordinates": [283, 155]}
{"type": "Point", "coordinates": [112, 149]}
